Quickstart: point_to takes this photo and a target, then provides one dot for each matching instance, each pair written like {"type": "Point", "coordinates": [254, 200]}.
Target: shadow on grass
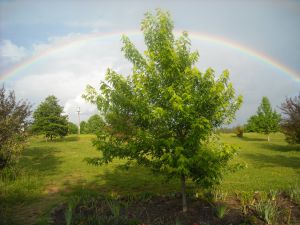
{"type": "Point", "coordinates": [245, 138]}
{"type": "Point", "coordinates": [281, 148]}
{"type": "Point", "coordinates": [40, 159]}
{"type": "Point", "coordinates": [127, 181]}
{"type": "Point", "coordinates": [274, 160]}
{"type": "Point", "coordinates": [66, 139]}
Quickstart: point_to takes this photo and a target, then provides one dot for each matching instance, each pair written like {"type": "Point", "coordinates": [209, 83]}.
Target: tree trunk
{"type": "Point", "coordinates": [183, 192]}
{"type": "Point", "coordinates": [268, 137]}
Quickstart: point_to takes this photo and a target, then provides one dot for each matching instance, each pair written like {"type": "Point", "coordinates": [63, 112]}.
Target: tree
{"type": "Point", "coordinates": [48, 119]}
{"type": "Point", "coordinates": [13, 124]}
{"type": "Point", "coordinates": [266, 120]}
{"type": "Point", "coordinates": [291, 122]}
{"type": "Point", "coordinates": [94, 124]}
{"type": "Point", "coordinates": [72, 128]}
{"type": "Point", "coordinates": [83, 127]}
{"type": "Point", "coordinates": [164, 115]}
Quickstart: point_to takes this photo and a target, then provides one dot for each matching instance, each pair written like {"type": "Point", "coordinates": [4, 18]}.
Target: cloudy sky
{"type": "Point", "coordinates": [58, 47]}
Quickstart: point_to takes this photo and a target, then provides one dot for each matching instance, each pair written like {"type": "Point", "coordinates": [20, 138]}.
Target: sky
{"type": "Point", "coordinates": [58, 47]}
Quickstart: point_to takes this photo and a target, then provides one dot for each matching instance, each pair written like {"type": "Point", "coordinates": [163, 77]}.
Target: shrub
{"type": "Point", "coordinates": [239, 131]}
{"type": "Point", "coordinates": [291, 121]}
{"type": "Point", "coordinates": [13, 123]}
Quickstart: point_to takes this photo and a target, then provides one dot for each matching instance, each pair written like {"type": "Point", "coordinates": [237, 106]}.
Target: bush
{"type": "Point", "coordinates": [291, 120]}
{"type": "Point", "coordinates": [13, 123]}
{"type": "Point", "coordinates": [239, 131]}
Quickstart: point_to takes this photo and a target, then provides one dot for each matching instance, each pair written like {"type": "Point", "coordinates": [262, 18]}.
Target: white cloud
{"type": "Point", "coordinates": [11, 53]}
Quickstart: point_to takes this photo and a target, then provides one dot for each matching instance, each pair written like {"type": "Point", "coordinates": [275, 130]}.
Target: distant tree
{"type": "Point", "coordinates": [48, 119]}
{"type": "Point", "coordinates": [266, 120]}
{"type": "Point", "coordinates": [291, 121]}
{"type": "Point", "coordinates": [72, 128]}
{"type": "Point", "coordinates": [164, 115]}
{"type": "Point", "coordinates": [83, 127]}
{"type": "Point", "coordinates": [13, 123]}
{"type": "Point", "coordinates": [94, 124]}
{"type": "Point", "coordinates": [251, 124]}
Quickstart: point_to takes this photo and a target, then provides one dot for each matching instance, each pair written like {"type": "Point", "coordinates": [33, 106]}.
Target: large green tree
{"type": "Point", "coordinates": [265, 121]}
{"type": "Point", "coordinates": [13, 124]}
{"type": "Point", "coordinates": [291, 121]}
{"type": "Point", "coordinates": [164, 114]}
{"type": "Point", "coordinates": [49, 119]}
{"type": "Point", "coordinates": [94, 124]}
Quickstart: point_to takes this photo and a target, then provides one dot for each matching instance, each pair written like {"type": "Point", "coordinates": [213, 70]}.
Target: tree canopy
{"type": "Point", "coordinates": [291, 121]}
{"type": "Point", "coordinates": [13, 123]}
{"type": "Point", "coordinates": [94, 124]}
{"type": "Point", "coordinates": [48, 119]}
{"type": "Point", "coordinates": [266, 120]}
{"type": "Point", "coordinates": [164, 114]}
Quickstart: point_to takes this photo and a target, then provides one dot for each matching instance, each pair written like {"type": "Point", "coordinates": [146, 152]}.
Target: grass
{"type": "Point", "coordinates": [274, 165]}
{"type": "Point", "coordinates": [51, 171]}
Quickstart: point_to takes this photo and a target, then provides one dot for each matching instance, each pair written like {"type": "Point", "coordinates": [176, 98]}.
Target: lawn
{"type": "Point", "coordinates": [51, 171]}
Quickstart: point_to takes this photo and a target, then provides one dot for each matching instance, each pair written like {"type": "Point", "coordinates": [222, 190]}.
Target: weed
{"type": "Point", "coordinates": [69, 214]}
{"type": "Point", "coordinates": [177, 222]}
{"type": "Point", "coordinates": [219, 195]}
{"type": "Point", "coordinates": [272, 194]}
{"type": "Point", "coordinates": [114, 207]}
{"type": "Point", "coordinates": [267, 210]}
{"type": "Point", "coordinates": [221, 210]}
{"type": "Point", "coordinates": [73, 202]}
{"type": "Point", "coordinates": [246, 200]}
{"type": "Point", "coordinates": [294, 194]}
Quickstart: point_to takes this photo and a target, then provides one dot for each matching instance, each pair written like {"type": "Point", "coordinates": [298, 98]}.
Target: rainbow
{"type": "Point", "coordinates": [203, 37]}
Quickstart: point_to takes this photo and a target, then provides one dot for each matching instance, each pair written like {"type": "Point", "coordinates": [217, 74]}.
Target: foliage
{"type": "Point", "coordinates": [13, 123]}
{"type": "Point", "coordinates": [267, 210]}
{"type": "Point", "coordinates": [221, 210]}
{"type": "Point", "coordinates": [94, 124]}
{"type": "Point", "coordinates": [239, 131]}
{"type": "Point", "coordinates": [291, 122]}
{"type": "Point", "coordinates": [83, 127]}
{"type": "Point", "coordinates": [72, 128]}
{"type": "Point", "coordinates": [266, 120]}
{"type": "Point", "coordinates": [164, 115]}
{"type": "Point", "coordinates": [246, 199]}
{"type": "Point", "coordinates": [48, 119]}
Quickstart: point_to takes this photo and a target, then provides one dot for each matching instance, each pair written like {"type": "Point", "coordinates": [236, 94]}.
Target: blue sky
{"type": "Point", "coordinates": [27, 27]}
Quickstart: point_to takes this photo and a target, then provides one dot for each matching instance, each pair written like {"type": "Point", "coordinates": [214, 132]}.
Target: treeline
{"type": "Point", "coordinates": [48, 120]}
{"type": "Point", "coordinates": [92, 126]}
{"type": "Point", "coordinates": [267, 121]}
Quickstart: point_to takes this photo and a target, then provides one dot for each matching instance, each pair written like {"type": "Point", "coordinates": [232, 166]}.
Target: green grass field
{"type": "Point", "coordinates": [50, 171]}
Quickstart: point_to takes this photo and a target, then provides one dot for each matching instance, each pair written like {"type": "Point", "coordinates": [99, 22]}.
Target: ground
{"type": "Point", "coordinates": [50, 172]}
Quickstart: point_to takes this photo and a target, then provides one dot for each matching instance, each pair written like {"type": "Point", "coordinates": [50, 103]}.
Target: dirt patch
{"type": "Point", "coordinates": [166, 210]}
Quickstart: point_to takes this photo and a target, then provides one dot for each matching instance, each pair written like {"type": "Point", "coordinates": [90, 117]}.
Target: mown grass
{"type": "Point", "coordinates": [50, 171]}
